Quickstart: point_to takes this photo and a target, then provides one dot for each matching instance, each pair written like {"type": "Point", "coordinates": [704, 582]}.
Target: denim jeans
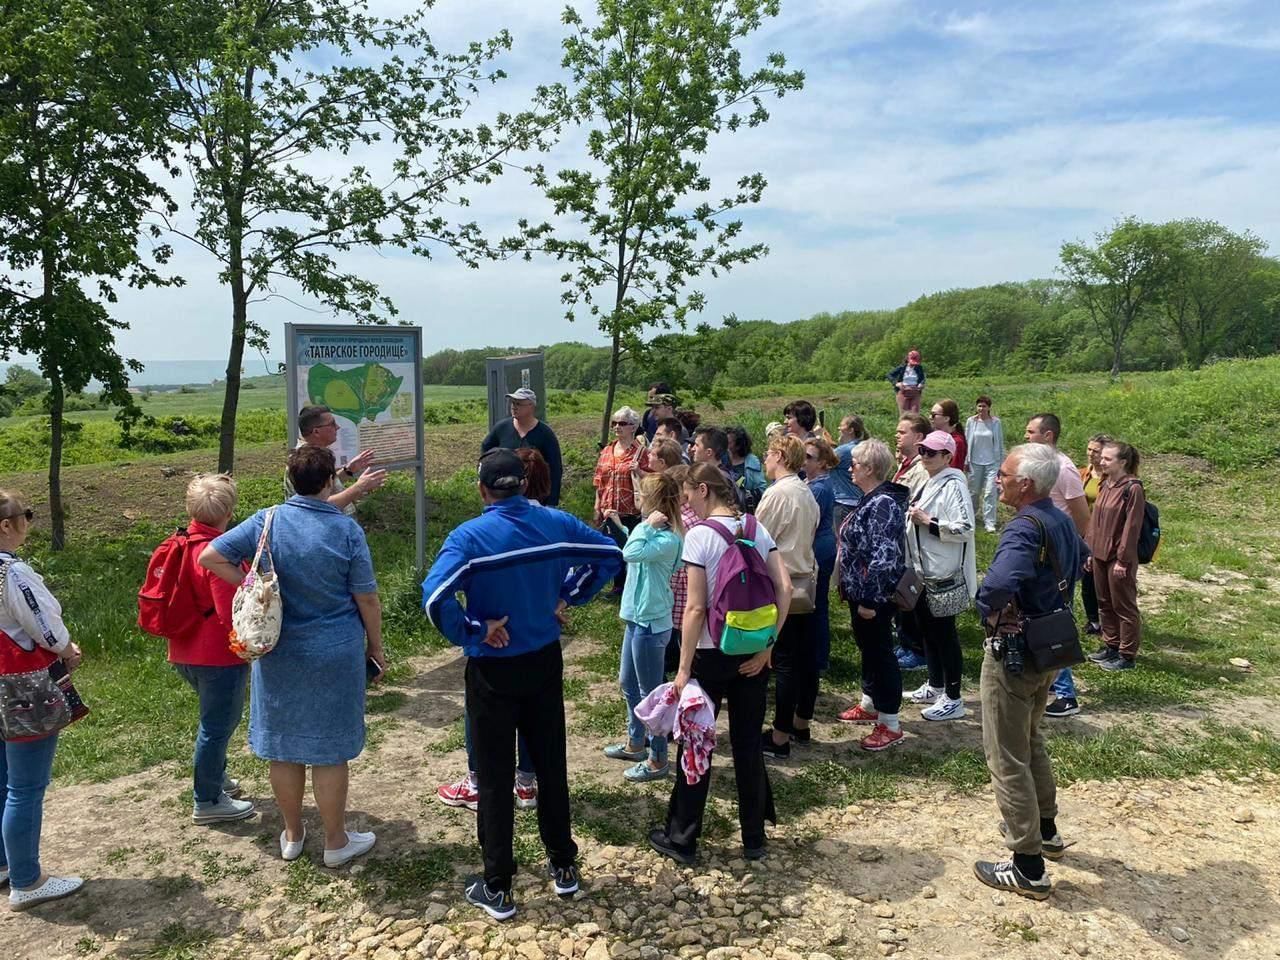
{"type": "Point", "coordinates": [524, 763]}
{"type": "Point", "coordinates": [221, 691]}
{"type": "Point", "coordinates": [643, 652]}
{"type": "Point", "coordinates": [24, 770]}
{"type": "Point", "coordinates": [1064, 685]}
{"type": "Point", "coordinates": [982, 488]}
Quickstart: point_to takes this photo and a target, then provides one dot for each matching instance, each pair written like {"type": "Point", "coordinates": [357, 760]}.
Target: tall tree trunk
{"type": "Point", "coordinates": [613, 385]}
{"type": "Point", "coordinates": [235, 358]}
{"type": "Point", "coordinates": [57, 516]}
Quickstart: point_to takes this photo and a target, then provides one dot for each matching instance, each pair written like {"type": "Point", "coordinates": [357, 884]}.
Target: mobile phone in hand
{"type": "Point", "coordinates": [372, 671]}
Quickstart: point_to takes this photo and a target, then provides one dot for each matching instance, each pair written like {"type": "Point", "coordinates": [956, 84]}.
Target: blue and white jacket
{"type": "Point", "coordinates": [873, 556]}
{"type": "Point", "coordinates": [515, 560]}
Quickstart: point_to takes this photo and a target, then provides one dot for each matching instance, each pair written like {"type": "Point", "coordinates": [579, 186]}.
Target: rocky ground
{"type": "Point", "coordinates": [1156, 869]}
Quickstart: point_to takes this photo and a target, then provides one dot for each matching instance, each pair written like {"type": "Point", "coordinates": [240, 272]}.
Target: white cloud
{"type": "Point", "coordinates": [937, 144]}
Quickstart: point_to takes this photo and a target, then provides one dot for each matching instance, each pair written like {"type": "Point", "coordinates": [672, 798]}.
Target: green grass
{"type": "Point", "coordinates": [410, 876]}
{"type": "Point", "coordinates": [177, 942]}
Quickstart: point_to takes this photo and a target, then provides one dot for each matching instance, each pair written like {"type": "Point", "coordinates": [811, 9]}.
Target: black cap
{"type": "Point", "coordinates": [501, 469]}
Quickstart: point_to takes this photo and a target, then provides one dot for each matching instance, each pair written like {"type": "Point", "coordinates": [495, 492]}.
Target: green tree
{"type": "Point", "coordinates": [1209, 284]}
{"type": "Point", "coordinates": [655, 80]}
{"type": "Point", "coordinates": [81, 112]}
{"type": "Point", "coordinates": [22, 382]}
{"type": "Point", "coordinates": [270, 93]}
{"type": "Point", "coordinates": [1120, 279]}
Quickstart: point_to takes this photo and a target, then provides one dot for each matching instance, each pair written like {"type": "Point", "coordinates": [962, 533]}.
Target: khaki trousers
{"type": "Point", "coordinates": [1012, 708]}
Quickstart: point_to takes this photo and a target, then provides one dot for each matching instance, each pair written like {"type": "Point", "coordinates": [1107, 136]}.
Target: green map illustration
{"type": "Point", "coordinates": [362, 392]}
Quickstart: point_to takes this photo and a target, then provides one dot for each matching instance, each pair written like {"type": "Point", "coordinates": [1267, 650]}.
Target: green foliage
{"type": "Point", "coordinates": [655, 81]}
{"type": "Point", "coordinates": [266, 89]}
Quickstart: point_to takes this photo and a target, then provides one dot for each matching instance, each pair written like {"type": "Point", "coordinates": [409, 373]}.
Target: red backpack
{"type": "Point", "coordinates": [168, 603]}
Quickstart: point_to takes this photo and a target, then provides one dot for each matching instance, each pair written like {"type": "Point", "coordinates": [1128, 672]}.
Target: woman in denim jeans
{"type": "Point", "coordinates": [32, 637]}
{"type": "Point", "coordinates": [652, 552]}
{"type": "Point", "coordinates": [204, 659]}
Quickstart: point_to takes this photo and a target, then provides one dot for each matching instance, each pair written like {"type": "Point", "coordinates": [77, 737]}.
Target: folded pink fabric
{"type": "Point", "coordinates": [657, 711]}
{"type": "Point", "coordinates": [689, 717]}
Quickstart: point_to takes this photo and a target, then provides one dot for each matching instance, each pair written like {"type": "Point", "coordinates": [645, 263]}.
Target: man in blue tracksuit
{"type": "Point", "coordinates": [519, 565]}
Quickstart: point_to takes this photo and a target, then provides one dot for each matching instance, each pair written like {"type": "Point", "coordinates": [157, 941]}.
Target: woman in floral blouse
{"type": "Point", "coordinates": [619, 466]}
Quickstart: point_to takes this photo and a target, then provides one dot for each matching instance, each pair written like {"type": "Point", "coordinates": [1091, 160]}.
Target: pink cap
{"type": "Point", "coordinates": [940, 440]}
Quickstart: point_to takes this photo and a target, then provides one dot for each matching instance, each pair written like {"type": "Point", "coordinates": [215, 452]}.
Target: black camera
{"type": "Point", "coordinates": [1011, 650]}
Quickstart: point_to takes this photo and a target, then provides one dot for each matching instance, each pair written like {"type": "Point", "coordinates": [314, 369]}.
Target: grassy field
{"type": "Point", "coordinates": [1211, 595]}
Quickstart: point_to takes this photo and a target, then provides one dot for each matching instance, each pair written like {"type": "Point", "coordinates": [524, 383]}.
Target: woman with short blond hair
{"type": "Point", "coordinates": [203, 658]}
{"type": "Point", "coordinates": [620, 464]}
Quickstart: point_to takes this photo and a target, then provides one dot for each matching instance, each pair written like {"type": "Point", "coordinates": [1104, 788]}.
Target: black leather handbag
{"type": "Point", "coordinates": [1052, 639]}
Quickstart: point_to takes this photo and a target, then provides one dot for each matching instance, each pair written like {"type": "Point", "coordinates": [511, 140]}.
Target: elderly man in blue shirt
{"type": "Point", "coordinates": [519, 565]}
{"type": "Point", "coordinates": [1023, 573]}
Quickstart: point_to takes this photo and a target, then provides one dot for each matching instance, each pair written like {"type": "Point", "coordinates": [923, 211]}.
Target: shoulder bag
{"type": "Point", "coordinates": [257, 609]}
{"type": "Point", "coordinates": [36, 703]}
{"type": "Point", "coordinates": [1053, 641]}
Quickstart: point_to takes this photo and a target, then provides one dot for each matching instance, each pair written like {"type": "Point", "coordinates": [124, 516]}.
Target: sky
{"type": "Point", "coordinates": [935, 145]}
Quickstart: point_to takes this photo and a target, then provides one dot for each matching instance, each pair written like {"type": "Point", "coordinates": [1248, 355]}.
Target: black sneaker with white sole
{"type": "Point", "coordinates": [1105, 653]}
{"type": "Point", "coordinates": [775, 751]}
{"type": "Point", "coordinates": [1052, 849]}
{"type": "Point", "coordinates": [496, 903]}
{"type": "Point", "coordinates": [1005, 875]}
{"type": "Point", "coordinates": [564, 878]}
{"type": "Point", "coordinates": [1063, 707]}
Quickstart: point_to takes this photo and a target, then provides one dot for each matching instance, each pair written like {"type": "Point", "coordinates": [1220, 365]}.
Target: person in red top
{"type": "Point", "coordinates": [204, 659]}
{"type": "Point", "coordinates": [32, 638]}
{"type": "Point", "coordinates": [945, 416]}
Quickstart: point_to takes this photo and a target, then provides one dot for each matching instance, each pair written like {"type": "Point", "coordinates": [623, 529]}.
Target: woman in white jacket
{"type": "Point", "coordinates": [940, 543]}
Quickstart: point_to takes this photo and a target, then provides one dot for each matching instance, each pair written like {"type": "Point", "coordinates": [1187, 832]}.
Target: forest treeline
{"type": "Point", "coordinates": [1200, 312]}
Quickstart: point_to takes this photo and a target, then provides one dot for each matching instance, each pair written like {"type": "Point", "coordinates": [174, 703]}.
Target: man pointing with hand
{"type": "Point", "coordinates": [519, 566]}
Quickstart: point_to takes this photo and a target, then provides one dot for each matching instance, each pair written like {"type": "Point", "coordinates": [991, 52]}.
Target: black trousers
{"type": "Point", "coordinates": [881, 675]}
{"type": "Point", "coordinates": [942, 650]}
{"type": "Point", "coordinates": [909, 635]}
{"type": "Point", "coordinates": [1089, 594]}
{"type": "Point", "coordinates": [524, 693]}
{"type": "Point", "coordinates": [718, 675]}
{"type": "Point", "coordinates": [795, 666]}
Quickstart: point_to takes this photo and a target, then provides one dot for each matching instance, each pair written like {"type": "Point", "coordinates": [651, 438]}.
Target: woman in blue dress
{"type": "Point", "coordinates": [306, 706]}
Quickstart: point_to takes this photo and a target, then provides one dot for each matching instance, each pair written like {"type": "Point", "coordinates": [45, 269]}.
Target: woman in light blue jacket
{"type": "Point", "coordinates": [984, 437]}
{"type": "Point", "coordinates": [652, 553]}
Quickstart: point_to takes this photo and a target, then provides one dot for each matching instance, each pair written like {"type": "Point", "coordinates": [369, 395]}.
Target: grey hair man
{"type": "Point", "coordinates": [1022, 581]}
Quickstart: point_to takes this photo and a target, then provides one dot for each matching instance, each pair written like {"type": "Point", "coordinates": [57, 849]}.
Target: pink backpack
{"type": "Point", "coordinates": [742, 614]}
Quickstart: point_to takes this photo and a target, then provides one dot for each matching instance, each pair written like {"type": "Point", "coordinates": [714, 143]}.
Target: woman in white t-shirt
{"type": "Point", "coordinates": [743, 680]}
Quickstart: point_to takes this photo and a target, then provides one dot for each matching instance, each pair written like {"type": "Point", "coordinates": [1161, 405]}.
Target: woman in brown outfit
{"type": "Point", "coordinates": [1113, 541]}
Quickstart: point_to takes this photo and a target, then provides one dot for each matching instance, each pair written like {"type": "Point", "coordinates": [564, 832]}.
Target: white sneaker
{"type": "Point", "coordinates": [358, 844]}
{"type": "Point", "coordinates": [944, 709]}
{"type": "Point", "coordinates": [292, 849]}
{"type": "Point", "coordinates": [924, 694]}
{"type": "Point", "coordinates": [222, 811]}
{"type": "Point", "coordinates": [55, 888]}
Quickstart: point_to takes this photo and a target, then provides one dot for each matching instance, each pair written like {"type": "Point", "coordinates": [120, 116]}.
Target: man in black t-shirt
{"type": "Point", "coordinates": [524, 429]}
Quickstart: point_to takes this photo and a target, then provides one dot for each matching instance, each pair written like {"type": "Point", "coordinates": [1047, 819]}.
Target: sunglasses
{"type": "Point", "coordinates": [623, 423]}
{"type": "Point", "coordinates": [28, 514]}
{"type": "Point", "coordinates": [926, 452]}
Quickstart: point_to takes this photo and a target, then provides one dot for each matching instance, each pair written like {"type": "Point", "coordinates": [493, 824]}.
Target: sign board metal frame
{"type": "Point", "coordinates": [498, 381]}
{"type": "Point", "coordinates": [355, 333]}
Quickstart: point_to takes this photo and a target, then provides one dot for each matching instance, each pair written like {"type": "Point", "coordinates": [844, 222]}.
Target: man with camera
{"type": "Point", "coordinates": [1027, 591]}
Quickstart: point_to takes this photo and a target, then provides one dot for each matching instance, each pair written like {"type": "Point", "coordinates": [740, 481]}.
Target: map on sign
{"type": "Point", "coordinates": [356, 393]}
{"type": "Point", "coordinates": [367, 378]}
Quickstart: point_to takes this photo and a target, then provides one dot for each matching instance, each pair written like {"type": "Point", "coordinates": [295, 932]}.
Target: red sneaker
{"type": "Point", "coordinates": [460, 794]}
{"type": "Point", "coordinates": [526, 797]}
{"type": "Point", "coordinates": [880, 738]}
{"type": "Point", "coordinates": [859, 715]}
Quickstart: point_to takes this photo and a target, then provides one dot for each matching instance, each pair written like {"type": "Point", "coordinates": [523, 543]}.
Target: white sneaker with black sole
{"type": "Point", "coordinates": [1005, 875]}
{"type": "Point", "coordinates": [925, 694]}
{"type": "Point", "coordinates": [496, 903]}
{"type": "Point", "coordinates": [944, 709]}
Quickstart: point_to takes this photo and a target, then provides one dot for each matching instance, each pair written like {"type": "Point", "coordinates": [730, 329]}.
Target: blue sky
{"type": "Point", "coordinates": [935, 145]}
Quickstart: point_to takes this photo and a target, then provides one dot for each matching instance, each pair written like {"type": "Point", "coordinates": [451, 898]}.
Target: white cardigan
{"type": "Point", "coordinates": [945, 497]}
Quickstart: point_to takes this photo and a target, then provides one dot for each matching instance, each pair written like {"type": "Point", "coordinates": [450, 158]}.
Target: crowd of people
{"type": "Point", "coordinates": [676, 502]}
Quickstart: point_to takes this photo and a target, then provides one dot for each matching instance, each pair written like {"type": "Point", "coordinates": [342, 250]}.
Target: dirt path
{"type": "Point", "coordinates": [1157, 869]}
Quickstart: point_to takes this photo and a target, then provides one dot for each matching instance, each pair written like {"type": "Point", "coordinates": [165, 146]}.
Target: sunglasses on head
{"type": "Point", "coordinates": [28, 514]}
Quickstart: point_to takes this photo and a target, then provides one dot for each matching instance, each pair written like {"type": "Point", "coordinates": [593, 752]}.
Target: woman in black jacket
{"type": "Point", "coordinates": [908, 383]}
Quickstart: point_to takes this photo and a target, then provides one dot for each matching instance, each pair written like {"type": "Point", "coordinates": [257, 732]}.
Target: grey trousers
{"type": "Point", "coordinates": [1012, 708]}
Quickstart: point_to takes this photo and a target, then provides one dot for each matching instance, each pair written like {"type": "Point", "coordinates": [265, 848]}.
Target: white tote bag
{"type": "Point", "coordinates": [256, 609]}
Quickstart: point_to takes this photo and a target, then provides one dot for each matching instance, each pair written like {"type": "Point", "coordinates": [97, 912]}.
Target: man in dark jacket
{"type": "Point", "coordinates": [524, 429]}
{"type": "Point", "coordinates": [519, 566]}
{"type": "Point", "coordinates": [1023, 573]}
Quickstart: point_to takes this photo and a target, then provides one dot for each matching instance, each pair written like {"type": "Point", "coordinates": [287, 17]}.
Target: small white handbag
{"type": "Point", "coordinates": [257, 609]}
